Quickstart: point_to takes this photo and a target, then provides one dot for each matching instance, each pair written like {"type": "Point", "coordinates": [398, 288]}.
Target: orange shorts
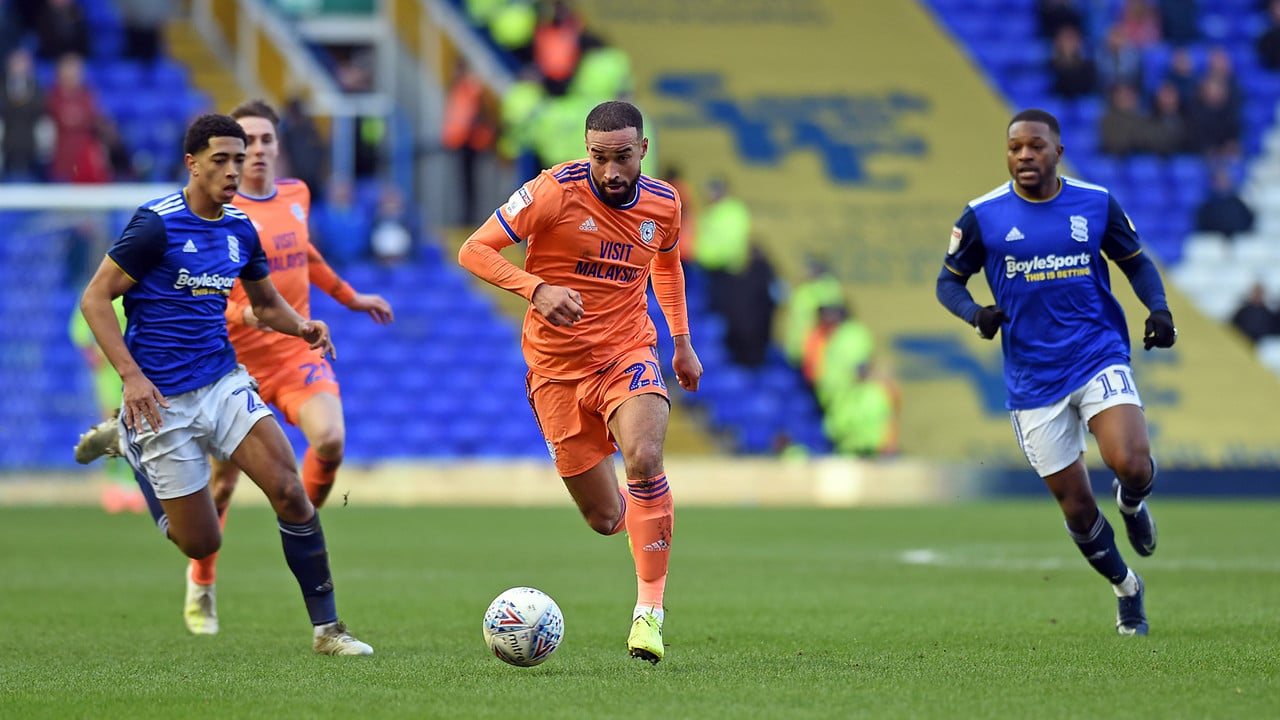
{"type": "Point", "coordinates": [573, 415]}
{"type": "Point", "coordinates": [288, 381]}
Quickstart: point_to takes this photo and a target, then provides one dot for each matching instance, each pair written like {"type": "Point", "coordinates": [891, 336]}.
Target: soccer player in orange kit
{"type": "Point", "coordinates": [291, 376]}
{"type": "Point", "coordinates": [596, 230]}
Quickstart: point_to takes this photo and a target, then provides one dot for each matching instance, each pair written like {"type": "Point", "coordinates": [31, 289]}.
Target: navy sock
{"type": "Point", "coordinates": [308, 558]}
{"type": "Point", "coordinates": [1132, 497]}
{"type": "Point", "coordinates": [1099, 547]}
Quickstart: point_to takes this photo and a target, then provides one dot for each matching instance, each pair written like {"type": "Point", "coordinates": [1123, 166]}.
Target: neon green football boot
{"type": "Point", "coordinates": [645, 640]}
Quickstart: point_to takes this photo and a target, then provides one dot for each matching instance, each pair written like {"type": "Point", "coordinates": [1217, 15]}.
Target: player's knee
{"type": "Point", "coordinates": [200, 547]}
{"type": "Point", "coordinates": [1135, 468]}
{"type": "Point", "coordinates": [603, 523]}
{"type": "Point", "coordinates": [328, 444]}
{"type": "Point", "coordinates": [644, 461]}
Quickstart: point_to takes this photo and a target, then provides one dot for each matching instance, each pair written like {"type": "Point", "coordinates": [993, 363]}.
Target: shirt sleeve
{"type": "Point", "coordinates": [966, 255]}
{"type": "Point", "coordinates": [1121, 240]}
{"type": "Point", "coordinates": [326, 278]}
{"type": "Point", "coordinates": [534, 206]}
{"type": "Point", "coordinates": [141, 245]}
{"type": "Point", "coordinates": [668, 281]}
{"type": "Point", "coordinates": [257, 268]}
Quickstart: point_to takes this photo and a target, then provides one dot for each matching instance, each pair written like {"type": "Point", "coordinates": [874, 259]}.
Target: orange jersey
{"type": "Point", "coordinates": [295, 265]}
{"type": "Point", "coordinates": [576, 240]}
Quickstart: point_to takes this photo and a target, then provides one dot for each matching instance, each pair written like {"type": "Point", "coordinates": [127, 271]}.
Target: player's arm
{"type": "Point", "coordinates": [668, 288]}
{"type": "Point", "coordinates": [138, 249]}
{"type": "Point", "coordinates": [514, 222]}
{"type": "Point", "coordinates": [965, 257]}
{"type": "Point", "coordinates": [271, 308]}
{"type": "Point", "coordinates": [1122, 245]}
{"type": "Point", "coordinates": [323, 276]}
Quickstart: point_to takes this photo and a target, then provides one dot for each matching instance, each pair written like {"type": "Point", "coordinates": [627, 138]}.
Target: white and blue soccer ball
{"type": "Point", "coordinates": [523, 626]}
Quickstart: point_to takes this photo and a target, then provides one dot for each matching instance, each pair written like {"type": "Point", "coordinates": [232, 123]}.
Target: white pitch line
{"type": "Point", "coordinates": [984, 559]}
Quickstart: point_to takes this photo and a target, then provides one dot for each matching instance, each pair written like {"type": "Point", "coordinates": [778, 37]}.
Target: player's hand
{"type": "Point", "coordinates": [988, 321]}
{"type": "Point", "coordinates": [559, 305]}
{"type": "Point", "coordinates": [1160, 331]}
{"type": "Point", "coordinates": [687, 366]}
{"type": "Point", "coordinates": [378, 308]}
{"type": "Point", "coordinates": [316, 332]}
{"type": "Point", "coordinates": [252, 320]}
{"type": "Point", "coordinates": [141, 401]}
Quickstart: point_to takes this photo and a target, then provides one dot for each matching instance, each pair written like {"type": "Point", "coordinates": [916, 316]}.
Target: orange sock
{"type": "Point", "coordinates": [318, 474]}
{"type": "Point", "coordinates": [204, 571]}
{"type": "Point", "coordinates": [650, 520]}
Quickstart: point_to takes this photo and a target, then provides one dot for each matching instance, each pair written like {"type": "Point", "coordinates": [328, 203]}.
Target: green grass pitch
{"type": "Point", "coordinates": [974, 610]}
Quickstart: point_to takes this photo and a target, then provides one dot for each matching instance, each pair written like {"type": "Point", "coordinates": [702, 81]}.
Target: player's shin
{"type": "Point", "coordinates": [1098, 546]}
{"type": "Point", "coordinates": [204, 570]}
{"type": "Point", "coordinates": [318, 475]}
{"type": "Point", "coordinates": [308, 558]}
{"type": "Point", "coordinates": [650, 519]}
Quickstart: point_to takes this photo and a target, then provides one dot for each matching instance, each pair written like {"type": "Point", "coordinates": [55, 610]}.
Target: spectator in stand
{"type": "Point", "coordinates": [862, 420]}
{"type": "Point", "coordinates": [1220, 66]}
{"type": "Point", "coordinates": [1255, 319]}
{"type": "Point", "coordinates": [119, 159]}
{"type": "Point", "coordinates": [1222, 210]}
{"type": "Point", "coordinates": [1123, 128]}
{"type": "Point", "coordinates": [819, 289]}
{"type": "Point", "coordinates": [1182, 73]}
{"type": "Point", "coordinates": [342, 226]}
{"type": "Point", "coordinates": [1213, 126]}
{"type": "Point", "coordinates": [1168, 128]}
{"type": "Point", "coordinates": [518, 110]}
{"type": "Point", "coordinates": [512, 28]}
{"type": "Point", "coordinates": [304, 150]}
{"type": "Point", "coordinates": [1179, 21]}
{"type": "Point", "coordinates": [749, 318]}
{"type": "Point", "coordinates": [1139, 23]}
{"type": "Point", "coordinates": [724, 244]}
{"type": "Point", "coordinates": [1053, 15]}
{"type": "Point", "coordinates": [1074, 73]}
{"type": "Point", "coordinates": [829, 316]}
{"type": "Point", "coordinates": [143, 20]}
{"type": "Point", "coordinates": [78, 155]}
{"type": "Point", "coordinates": [391, 240]}
{"type": "Point", "coordinates": [11, 28]}
{"type": "Point", "coordinates": [557, 44]}
{"type": "Point", "coordinates": [1119, 61]}
{"type": "Point", "coordinates": [61, 29]}
{"type": "Point", "coordinates": [22, 111]}
{"type": "Point", "coordinates": [688, 212]}
{"type": "Point", "coordinates": [1269, 41]}
{"type": "Point", "coordinates": [850, 345]}
{"type": "Point", "coordinates": [468, 133]}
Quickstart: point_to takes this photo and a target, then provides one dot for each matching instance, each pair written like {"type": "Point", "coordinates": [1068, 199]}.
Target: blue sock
{"type": "Point", "coordinates": [1099, 547]}
{"type": "Point", "coordinates": [1133, 497]}
{"type": "Point", "coordinates": [308, 558]}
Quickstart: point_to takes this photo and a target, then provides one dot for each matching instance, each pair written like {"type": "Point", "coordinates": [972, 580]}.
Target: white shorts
{"type": "Point", "coordinates": [1052, 437]}
{"type": "Point", "coordinates": [212, 420]}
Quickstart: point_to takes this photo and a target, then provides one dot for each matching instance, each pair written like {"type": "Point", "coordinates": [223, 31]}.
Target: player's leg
{"type": "Point", "coordinates": [1121, 432]}
{"type": "Point", "coordinates": [320, 418]}
{"type": "Point", "coordinates": [1052, 438]}
{"type": "Point", "coordinates": [640, 426]}
{"type": "Point", "coordinates": [200, 606]}
{"type": "Point", "coordinates": [256, 443]}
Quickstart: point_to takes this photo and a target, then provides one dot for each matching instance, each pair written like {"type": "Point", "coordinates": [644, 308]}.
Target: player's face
{"type": "Point", "coordinates": [216, 170]}
{"type": "Point", "coordinates": [262, 149]}
{"type": "Point", "coordinates": [615, 163]}
{"type": "Point", "coordinates": [1033, 158]}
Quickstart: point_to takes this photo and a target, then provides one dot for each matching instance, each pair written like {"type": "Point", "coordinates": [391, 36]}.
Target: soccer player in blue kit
{"type": "Point", "coordinates": [1040, 239]}
{"type": "Point", "coordinates": [185, 396]}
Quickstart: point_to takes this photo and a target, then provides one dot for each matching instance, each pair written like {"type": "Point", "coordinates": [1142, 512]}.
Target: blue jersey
{"type": "Point", "coordinates": [1044, 263]}
{"type": "Point", "coordinates": [184, 267]}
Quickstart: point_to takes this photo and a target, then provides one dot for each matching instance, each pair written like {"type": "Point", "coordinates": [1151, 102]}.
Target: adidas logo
{"type": "Point", "coordinates": [189, 247]}
{"type": "Point", "coordinates": [589, 225]}
{"type": "Point", "coordinates": [657, 546]}
{"type": "Point", "coordinates": [1014, 234]}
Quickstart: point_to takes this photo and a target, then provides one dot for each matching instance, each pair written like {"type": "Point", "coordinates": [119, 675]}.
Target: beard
{"type": "Point", "coordinates": [616, 199]}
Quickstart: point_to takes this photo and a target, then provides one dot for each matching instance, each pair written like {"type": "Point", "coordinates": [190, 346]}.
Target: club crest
{"type": "Point", "coordinates": [648, 229]}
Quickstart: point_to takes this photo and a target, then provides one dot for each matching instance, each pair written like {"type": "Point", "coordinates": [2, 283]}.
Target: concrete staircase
{"type": "Point", "coordinates": [209, 72]}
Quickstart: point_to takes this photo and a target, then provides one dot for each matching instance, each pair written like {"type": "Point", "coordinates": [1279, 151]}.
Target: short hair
{"type": "Point", "coordinates": [1037, 115]}
{"type": "Point", "coordinates": [258, 108]}
{"type": "Point", "coordinates": [210, 125]}
{"type": "Point", "coordinates": [615, 115]}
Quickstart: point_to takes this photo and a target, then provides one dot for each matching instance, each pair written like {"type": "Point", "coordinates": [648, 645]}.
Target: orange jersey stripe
{"type": "Point", "coordinates": [576, 240]}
